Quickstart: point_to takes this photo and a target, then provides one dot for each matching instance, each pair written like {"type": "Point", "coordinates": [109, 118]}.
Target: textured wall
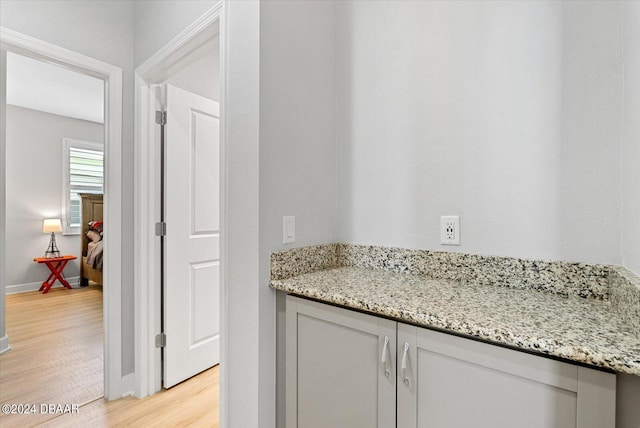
{"type": "Point", "coordinates": [201, 75]}
{"type": "Point", "coordinates": [505, 113]}
{"type": "Point", "coordinates": [34, 188]}
{"type": "Point", "coordinates": [157, 22]}
{"type": "Point", "coordinates": [631, 151]}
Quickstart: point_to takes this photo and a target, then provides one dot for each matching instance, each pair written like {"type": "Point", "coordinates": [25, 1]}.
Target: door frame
{"type": "Point", "coordinates": [13, 41]}
{"type": "Point", "coordinates": [153, 71]}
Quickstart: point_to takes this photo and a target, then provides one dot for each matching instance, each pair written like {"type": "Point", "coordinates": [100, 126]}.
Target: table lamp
{"type": "Point", "coordinates": [52, 225]}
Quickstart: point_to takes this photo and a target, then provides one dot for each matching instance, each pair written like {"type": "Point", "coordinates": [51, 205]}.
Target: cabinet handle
{"type": "Point", "coordinates": [405, 378]}
{"type": "Point", "coordinates": [385, 352]}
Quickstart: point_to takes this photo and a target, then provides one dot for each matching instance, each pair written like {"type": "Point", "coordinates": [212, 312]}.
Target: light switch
{"type": "Point", "coordinates": [288, 229]}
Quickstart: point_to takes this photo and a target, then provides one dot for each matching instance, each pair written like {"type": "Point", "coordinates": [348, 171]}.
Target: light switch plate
{"type": "Point", "coordinates": [288, 229]}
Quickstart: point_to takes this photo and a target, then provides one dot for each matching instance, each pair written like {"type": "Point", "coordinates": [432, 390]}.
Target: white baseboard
{"type": "Point", "coordinates": [128, 384]}
{"type": "Point", "coordinates": [74, 281]}
{"type": "Point", "coordinates": [4, 344]}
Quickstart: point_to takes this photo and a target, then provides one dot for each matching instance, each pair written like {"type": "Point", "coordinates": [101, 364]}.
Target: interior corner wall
{"type": "Point", "coordinates": [631, 151]}
{"type": "Point", "coordinates": [34, 188]}
{"type": "Point", "coordinates": [505, 113]}
{"type": "Point", "coordinates": [102, 30]}
{"type": "Point", "coordinates": [297, 121]}
{"type": "Point", "coordinates": [158, 22]}
{"type": "Point", "coordinates": [297, 148]}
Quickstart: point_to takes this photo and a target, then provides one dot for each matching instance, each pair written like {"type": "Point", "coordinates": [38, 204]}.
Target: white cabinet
{"type": "Point", "coordinates": [335, 376]}
{"type": "Point", "coordinates": [449, 381]}
{"type": "Point", "coordinates": [348, 369]}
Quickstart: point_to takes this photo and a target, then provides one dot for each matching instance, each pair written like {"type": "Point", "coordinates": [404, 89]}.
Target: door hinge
{"type": "Point", "coordinates": [161, 117]}
{"type": "Point", "coordinates": [161, 340]}
{"type": "Point", "coordinates": [161, 228]}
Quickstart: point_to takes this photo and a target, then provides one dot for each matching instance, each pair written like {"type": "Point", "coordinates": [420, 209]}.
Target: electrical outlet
{"type": "Point", "coordinates": [450, 230]}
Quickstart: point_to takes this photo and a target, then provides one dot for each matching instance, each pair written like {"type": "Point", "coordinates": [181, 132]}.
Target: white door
{"type": "Point", "coordinates": [192, 241]}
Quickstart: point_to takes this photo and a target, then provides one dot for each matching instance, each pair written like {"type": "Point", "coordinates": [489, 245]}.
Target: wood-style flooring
{"type": "Point", "coordinates": [193, 403]}
{"type": "Point", "coordinates": [57, 358]}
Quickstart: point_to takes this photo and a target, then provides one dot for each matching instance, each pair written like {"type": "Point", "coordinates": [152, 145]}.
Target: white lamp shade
{"type": "Point", "coordinates": [51, 225]}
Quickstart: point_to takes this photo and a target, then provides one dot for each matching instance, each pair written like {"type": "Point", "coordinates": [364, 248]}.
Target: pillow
{"type": "Point", "coordinates": [93, 236]}
{"type": "Point", "coordinates": [96, 225]}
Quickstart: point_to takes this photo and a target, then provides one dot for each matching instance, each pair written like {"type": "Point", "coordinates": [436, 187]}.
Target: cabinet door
{"type": "Point", "coordinates": [335, 374]}
{"type": "Point", "coordinates": [448, 381]}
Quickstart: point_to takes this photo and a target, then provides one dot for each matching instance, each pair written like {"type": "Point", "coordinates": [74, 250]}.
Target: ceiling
{"type": "Point", "coordinates": [53, 89]}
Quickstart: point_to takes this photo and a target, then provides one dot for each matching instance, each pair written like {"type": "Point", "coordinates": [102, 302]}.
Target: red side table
{"type": "Point", "coordinates": [56, 266]}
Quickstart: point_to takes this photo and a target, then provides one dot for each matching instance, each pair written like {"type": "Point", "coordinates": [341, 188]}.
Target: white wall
{"type": "Point", "coordinates": [4, 340]}
{"type": "Point", "coordinates": [297, 144]}
{"type": "Point", "coordinates": [103, 30]}
{"type": "Point", "coordinates": [157, 22]}
{"type": "Point", "coordinates": [505, 113]}
{"type": "Point", "coordinates": [590, 192]}
{"type": "Point", "coordinates": [34, 188]}
{"type": "Point", "coordinates": [631, 150]}
{"type": "Point", "coordinates": [297, 122]}
{"type": "Point", "coordinates": [200, 74]}
{"type": "Point", "coordinates": [244, 347]}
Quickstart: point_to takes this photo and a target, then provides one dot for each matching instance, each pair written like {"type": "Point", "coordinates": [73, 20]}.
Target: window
{"type": "Point", "coordinates": [83, 172]}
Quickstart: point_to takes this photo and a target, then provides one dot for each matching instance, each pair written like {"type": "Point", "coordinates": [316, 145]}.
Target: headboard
{"type": "Point", "coordinates": [91, 210]}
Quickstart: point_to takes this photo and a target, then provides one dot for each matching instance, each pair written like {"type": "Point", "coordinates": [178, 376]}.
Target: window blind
{"type": "Point", "coordinates": [86, 172]}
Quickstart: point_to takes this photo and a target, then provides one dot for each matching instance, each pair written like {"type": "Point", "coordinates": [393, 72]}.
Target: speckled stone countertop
{"type": "Point", "coordinates": [574, 328]}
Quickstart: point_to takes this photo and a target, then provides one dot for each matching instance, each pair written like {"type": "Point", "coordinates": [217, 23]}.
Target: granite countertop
{"type": "Point", "coordinates": [574, 328]}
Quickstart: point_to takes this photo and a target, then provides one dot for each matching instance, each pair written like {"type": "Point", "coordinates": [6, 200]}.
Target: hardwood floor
{"type": "Point", "coordinates": [194, 403]}
{"type": "Point", "coordinates": [57, 358]}
{"type": "Point", "coordinates": [56, 350]}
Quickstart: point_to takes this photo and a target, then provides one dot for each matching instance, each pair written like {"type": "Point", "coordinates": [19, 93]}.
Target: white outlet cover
{"type": "Point", "coordinates": [450, 230]}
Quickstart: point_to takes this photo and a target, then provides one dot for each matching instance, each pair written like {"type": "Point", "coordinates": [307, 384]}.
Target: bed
{"type": "Point", "coordinates": [91, 264]}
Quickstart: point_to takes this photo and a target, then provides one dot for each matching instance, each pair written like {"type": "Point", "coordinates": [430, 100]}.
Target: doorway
{"type": "Point", "coordinates": [12, 41]}
{"type": "Point", "coordinates": [191, 66]}
{"type": "Point", "coordinates": [48, 168]}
